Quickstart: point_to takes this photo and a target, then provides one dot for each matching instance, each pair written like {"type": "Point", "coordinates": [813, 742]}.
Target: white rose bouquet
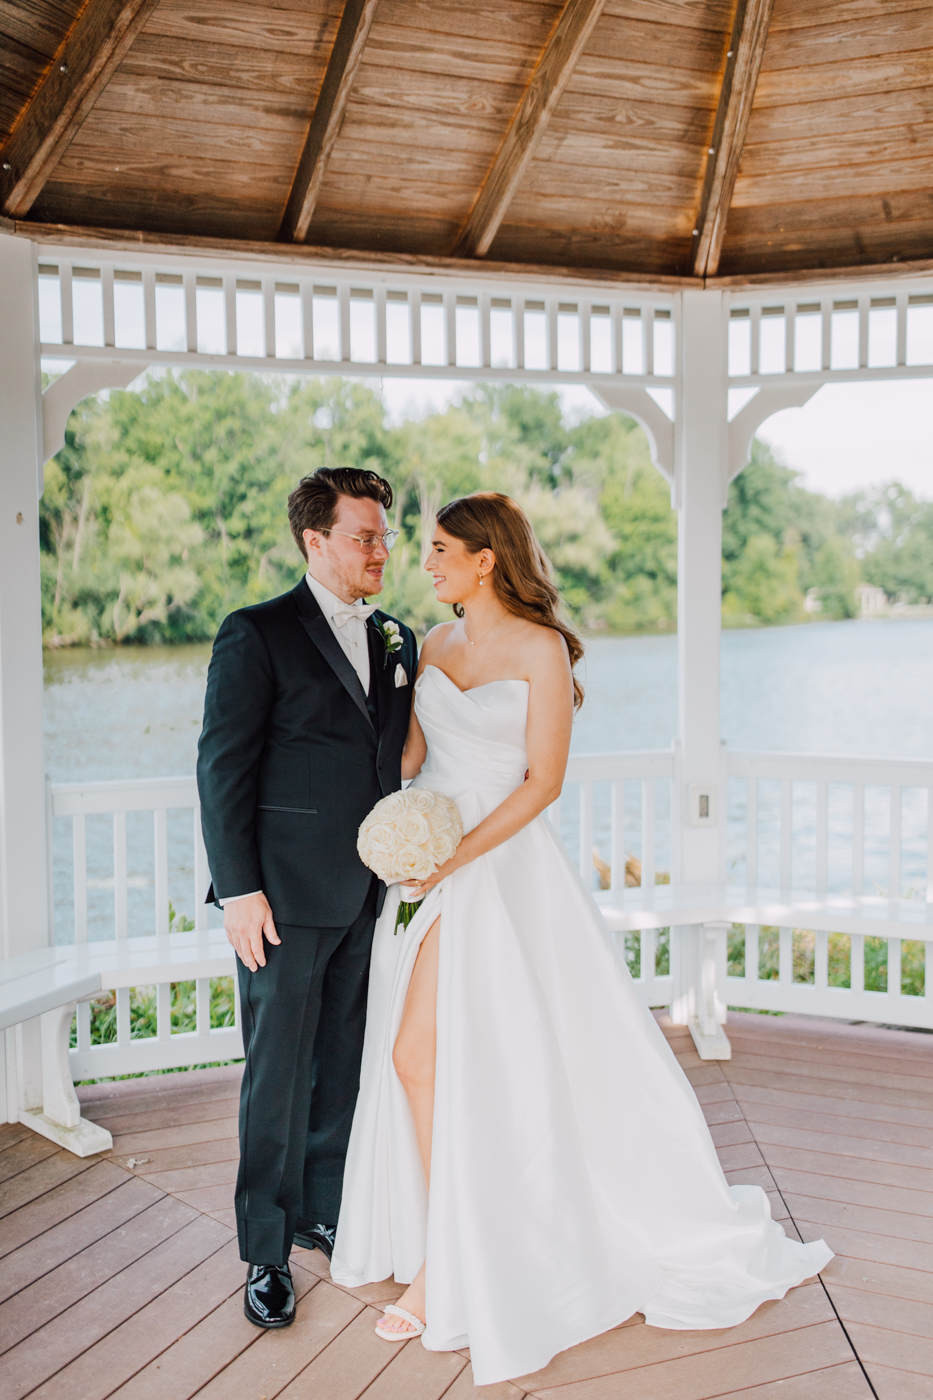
{"type": "Point", "coordinates": [407, 836]}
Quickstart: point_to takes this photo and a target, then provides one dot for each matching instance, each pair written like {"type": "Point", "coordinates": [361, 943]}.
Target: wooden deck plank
{"type": "Point", "coordinates": [23, 1154]}
{"type": "Point", "coordinates": [190, 1178]}
{"type": "Point", "coordinates": [860, 1133]}
{"type": "Point", "coordinates": [859, 1110]}
{"type": "Point", "coordinates": [891, 1384]}
{"type": "Point", "coordinates": [11, 1133]}
{"type": "Point", "coordinates": [870, 1247]}
{"type": "Point", "coordinates": [209, 1199]}
{"type": "Point", "coordinates": [60, 1204]}
{"type": "Point", "coordinates": [745, 1156]}
{"type": "Point", "coordinates": [345, 1367]}
{"type": "Point", "coordinates": [890, 1280]}
{"type": "Point", "coordinates": [846, 1190]}
{"type": "Point", "coordinates": [130, 1346]}
{"type": "Point", "coordinates": [854, 1055]}
{"type": "Point", "coordinates": [855, 1215]}
{"type": "Point", "coordinates": [36, 1180]}
{"type": "Point", "coordinates": [843, 1382]}
{"type": "Point", "coordinates": [819, 1089]}
{"type": "Point", "coordinates": [39, 1256]}
{"type": "Point", "coordinates": [41, 1302]}
{"type": "Point", "coordinates": [278, 1357]}
{"type": "Point", "coordinates": [878, 1310]}
{"type": "Point", "coordinates": [48, 1354]}
{"type": "Point", "coordinates": [849, 1167]}
{"type": "Point", "coordinates": [416, 1374]}
{"type": "Point", "coordinates": [161, 1160]}
{"type": "Point", "coordinates": [201, 1354]}
{"type": "Point", "coordinates": [168, 1116]}
{"type": "Point", "coordinates": [730, 1131]}
{"type": "Point", "coordinates": [179, 1135]}
{"type": "Point", "coordinates": [636, 1346]}
{"type": "Point", "coordinates": [727, 1369]}
{"type": "Point", "coordinates": [899, 1350]}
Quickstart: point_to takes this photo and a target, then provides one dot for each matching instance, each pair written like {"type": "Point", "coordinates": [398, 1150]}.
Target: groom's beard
{"type": "Point", "coordinates": [356, 582]}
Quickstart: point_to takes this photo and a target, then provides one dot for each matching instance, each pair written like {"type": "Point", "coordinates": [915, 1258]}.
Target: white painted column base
{"type": "Point", "coordinates": [710, 1039]}
{"type": "Point", "coordinates": [59, 1118]}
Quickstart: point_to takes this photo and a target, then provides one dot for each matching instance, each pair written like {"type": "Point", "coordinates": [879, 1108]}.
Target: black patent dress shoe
{"type": "Point", "coordinates": [320, 1237]}
{"type": "Point", "coordinates": [269, 1300]}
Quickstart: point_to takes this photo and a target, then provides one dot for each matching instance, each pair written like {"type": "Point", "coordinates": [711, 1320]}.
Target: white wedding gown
{"type": "Point", "coordinates": [573, 1178]}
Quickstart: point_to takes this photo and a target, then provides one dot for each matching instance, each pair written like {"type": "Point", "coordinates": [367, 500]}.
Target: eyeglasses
{"type": "Point", "coordinates": [367, 543]}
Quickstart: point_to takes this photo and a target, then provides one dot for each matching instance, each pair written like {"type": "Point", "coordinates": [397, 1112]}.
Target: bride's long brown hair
{"type": "Point", "coordinates": [489, 520]}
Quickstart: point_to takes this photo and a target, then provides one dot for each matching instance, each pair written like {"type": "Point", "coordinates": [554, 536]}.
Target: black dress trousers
{"type": "Point", "coordinates": [303, 1015]}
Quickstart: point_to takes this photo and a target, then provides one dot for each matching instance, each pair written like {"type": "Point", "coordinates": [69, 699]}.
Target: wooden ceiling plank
{"type": "Point", "coordinates": [345, 58]}
{"type": "Point", "coordinates": [746, 47]}
{"type": "Point", "coordinates": [78, 74]}
{"type": "Point", "coordinates": [566, 44]}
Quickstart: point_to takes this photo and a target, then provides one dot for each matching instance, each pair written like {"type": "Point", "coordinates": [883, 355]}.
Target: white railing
{"type": "Point", "coordinates": [798, 823]}
{"type": "Point", "coordinates": [856, 826]}
{"type": "Point", "coordinates": [615, 806]}
{"type": "Point", "coordinates": [143, 876]}
{"type": "Point", "coordinates": [832, 333]}
{"type": "Point", "coordinates": [160, 308]}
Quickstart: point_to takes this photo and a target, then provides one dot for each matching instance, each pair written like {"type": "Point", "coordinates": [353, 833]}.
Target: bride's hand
{"type": "Point", "coordinates": [420, 888]}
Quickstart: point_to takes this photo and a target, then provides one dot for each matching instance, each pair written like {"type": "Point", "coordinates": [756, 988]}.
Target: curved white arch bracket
{"type": "Point", "coordinates": [748, 420]}
{"type": "Point", "coordinates": [85, 377]}
{"type": "Point", "coordinates": [659, 429]}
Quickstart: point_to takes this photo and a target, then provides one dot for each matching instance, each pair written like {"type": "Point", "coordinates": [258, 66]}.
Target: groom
{"type": "Point", "coordinates": [305, 718]}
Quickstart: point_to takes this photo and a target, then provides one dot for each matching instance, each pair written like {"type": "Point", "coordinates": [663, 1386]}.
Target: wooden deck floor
{"type": "Point", "coordinates": [120, 1275]}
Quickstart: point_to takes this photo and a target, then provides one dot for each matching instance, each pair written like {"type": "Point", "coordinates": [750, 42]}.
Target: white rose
{"type": "Point", "coordinates": [391, 628]}
{"type": "Point", "coordinates": [412, 828]}
{"type": "Point", "coordinates": [420, 800]}
{"type": "Point", "coordinates": [383, 840]}
{"type": "Point", "coordinates": [389, 807]}
{"type": "Point", "coordinates": [412, 863]}
{"type": "Point", "coordinates": [441, 847]}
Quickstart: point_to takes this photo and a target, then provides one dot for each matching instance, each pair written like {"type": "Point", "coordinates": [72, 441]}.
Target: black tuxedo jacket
{"type": "Point", "coordinates": [293, 756]}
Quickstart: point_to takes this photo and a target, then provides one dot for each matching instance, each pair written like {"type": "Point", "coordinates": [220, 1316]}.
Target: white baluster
{"type": "Point", "coordinates": [901, 301]}
{"type": "Point", "coordinates": [647, 342]}
{"type": "Point", "coordinates": [649, 954]}
{"type": "Point", "coordinates": [68, 305]}
{"type": "Point", "coordinates": [83, 1017]}
{"type": "Point", "coordinates": [230, 312]}
{"type": "Point", "coordinates": [617, 834]}
{"type": "Point", "coordinates": [786, 956]}
{"type": "Point", "coordinates": [518, 314]}
{"type": "Point", "coordinates": [164, 1011]}
{"type": "Point", "coordinates": [550, 307]}
{"type": "Point", "coordinates": [343, 298]}
{"type": "Point", "coordinates": [414, 301]}
{"type": "Point", "coordinates": [616, 311]}
{"type": "Point", "coordinates": [752, 935]}
{"type": "Point", "coordinates": [584, 312]}
{"type": "Point", "coordinates": [822, 835]}
{"type": "Point", "coordinates": [894, 967]}
{"type": "Point", "coordinates": [307, 318]}
{"type": "Point", "coordinates": [191, 312]}
{"type": "Point", "coordinates": [864, 303]}
{"type": "Point", "coordinates": [202, 876]}
{"type": "Point", "coordinates": [857, 963]}
{"type": "Point", "coordinates": [586, 833]}
{"type": "Point", "coordinates": [120, 902]}
{"type": "Point", "coordinates": [485, 330]}
{"type": "Point", "coordinates": [858, 838]}
{"type": "Point", "coordinates": [268, 315]}
{"type": "Point", "coordinates": [79, 845]}
{"type": "Point", "coordinates": [751, 834]}
{"type": "Point", "coordinates": [450, 327]}
{"type": "Point", "coordinates": [648, 865]}
{"type": "Point", "coordinates": [379, 311]}
{"type": "Point", "coordinates": [106, 292]}
{"type": "Point", "coordinates": [821, 959]}
{"type": "Point", "coordinates": [894, 845]}
{"type": "Point", "coordinates": [755, 338]}
{"type": "Point", "coordinates": [787, 793]}
{"type": "Point", "coordinates": [160, 822]}
{"type": "Point", "coordinates": [149, 307]}
{"type": "Point", "coordinates": [203, 1006]}
{"type": "Point", "coordinates": [124, 1034]}
{"type": "Point", "coordinates": [826, 315]}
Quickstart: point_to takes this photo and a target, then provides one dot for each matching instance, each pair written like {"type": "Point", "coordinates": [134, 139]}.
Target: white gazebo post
{"type": "Point", "coordinates": [24, 923]}
{"type": "Point", "coordinates": [698, 953]}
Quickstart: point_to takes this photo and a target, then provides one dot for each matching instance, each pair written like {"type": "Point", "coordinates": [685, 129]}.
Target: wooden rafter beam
{"type": "Point", "coordinates": [79, 72]}
{"type": "Point", "coordinates": [743, 62]}
{"type": "Point", "coordinates": [555, 67]}
{"type": "Point", "coordinates": [328, 117]}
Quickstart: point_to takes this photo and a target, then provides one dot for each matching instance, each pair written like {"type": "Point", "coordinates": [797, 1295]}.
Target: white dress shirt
{"type": "Point", "coordinates": [351, 634]}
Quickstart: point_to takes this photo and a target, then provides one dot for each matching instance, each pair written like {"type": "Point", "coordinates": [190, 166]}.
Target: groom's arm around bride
{"type": "Point", "coordinates": [305, 718]}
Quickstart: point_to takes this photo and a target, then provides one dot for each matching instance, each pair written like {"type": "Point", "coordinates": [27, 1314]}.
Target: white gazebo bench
{"type": "Point", "coordinates": [49, 983]}
{"type": "Point", "coordinates": [701, 973]}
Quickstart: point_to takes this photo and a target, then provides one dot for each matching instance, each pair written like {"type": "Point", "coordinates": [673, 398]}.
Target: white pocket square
{"type": "Point", "coordinates": [401, 677]}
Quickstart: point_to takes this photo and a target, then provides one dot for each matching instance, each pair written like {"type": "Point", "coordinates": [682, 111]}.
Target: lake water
{"type": "Point", "coordinates": [836, 688]}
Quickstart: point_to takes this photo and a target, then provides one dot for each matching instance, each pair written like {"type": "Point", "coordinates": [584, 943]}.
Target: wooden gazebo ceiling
{"type": "Point", "coordinates": [661, 138]}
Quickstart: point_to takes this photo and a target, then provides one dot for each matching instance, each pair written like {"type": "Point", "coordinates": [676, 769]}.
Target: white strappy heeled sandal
{"type": "Point", "coordinates": [415, 1322]}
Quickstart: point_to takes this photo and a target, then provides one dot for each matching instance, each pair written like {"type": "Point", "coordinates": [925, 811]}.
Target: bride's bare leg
{"type": "Point", "coordinates": [414, 1058]}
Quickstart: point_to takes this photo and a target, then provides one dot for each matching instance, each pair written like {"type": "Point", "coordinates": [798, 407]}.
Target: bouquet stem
{"type": "Point", "coordinates": [406, 912]}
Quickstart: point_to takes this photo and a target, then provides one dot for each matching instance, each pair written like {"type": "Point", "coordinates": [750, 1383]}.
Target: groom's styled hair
{"type": "Point", "coordinates": [313, 503]}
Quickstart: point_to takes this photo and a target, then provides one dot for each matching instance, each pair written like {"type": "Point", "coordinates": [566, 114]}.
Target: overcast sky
{"type": "Point", "coordinates": [849, 436]}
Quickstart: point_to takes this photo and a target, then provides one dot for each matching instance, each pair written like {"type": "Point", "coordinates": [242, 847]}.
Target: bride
{"type": "Point", "coordinates": [527, 1154]}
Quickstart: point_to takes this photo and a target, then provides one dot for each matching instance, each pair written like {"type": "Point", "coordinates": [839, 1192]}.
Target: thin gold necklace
{"type": "Point", "coordinates": [485, 634]}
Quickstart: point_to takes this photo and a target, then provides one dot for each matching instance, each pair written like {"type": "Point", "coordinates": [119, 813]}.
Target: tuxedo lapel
{"type": "Point", "coordinates": [384, 669]}
{"type": "Point", "coordinates": [319, 630]}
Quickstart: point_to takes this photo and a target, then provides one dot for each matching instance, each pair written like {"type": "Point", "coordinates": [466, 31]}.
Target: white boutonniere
{"type": "Point", "coordinates": [391, 637]}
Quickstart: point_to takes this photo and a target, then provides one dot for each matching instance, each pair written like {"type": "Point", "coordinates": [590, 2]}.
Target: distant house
{"type": "Point", "coordinates": [872, 601]}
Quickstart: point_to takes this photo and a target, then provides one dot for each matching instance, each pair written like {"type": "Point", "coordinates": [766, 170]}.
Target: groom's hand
{"type": "Point", "coordinates": [245, 923]}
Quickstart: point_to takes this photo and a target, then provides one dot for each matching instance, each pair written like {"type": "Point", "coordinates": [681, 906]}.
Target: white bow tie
{"type": "Point", "coordinates": [344, 612]}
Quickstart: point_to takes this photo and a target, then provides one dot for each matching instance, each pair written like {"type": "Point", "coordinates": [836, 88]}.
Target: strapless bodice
{"type": "Point", "coordinates": [476, 738]}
